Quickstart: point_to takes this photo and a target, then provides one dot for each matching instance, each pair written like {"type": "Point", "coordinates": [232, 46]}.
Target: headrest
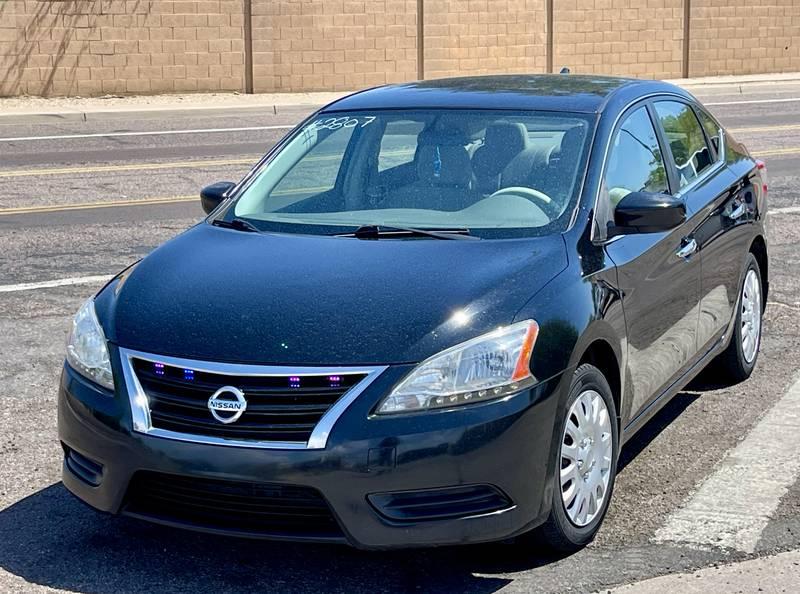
{"type": "Point", "coordinates": [571, 144]}
{"type": "Point", "coordinates": [444, 164]}
{"type": "Point", "coordinates": [507, 136]}
{"type": "Point", "coordinates": [503, 141]}
{"type": "Point", "coordinates": [431, 136]}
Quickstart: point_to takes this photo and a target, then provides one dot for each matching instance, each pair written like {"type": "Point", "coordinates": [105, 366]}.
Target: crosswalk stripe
{"type": "Point", "coordinates": [733, 506]}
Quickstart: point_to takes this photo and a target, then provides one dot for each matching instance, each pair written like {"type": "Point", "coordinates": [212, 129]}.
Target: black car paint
{"type": "Point", "coordinates": [294, 299]}
{"type": "Point", "coordinates": [428, 450]}
{"type": "Point", "coordinates": [283, 299]}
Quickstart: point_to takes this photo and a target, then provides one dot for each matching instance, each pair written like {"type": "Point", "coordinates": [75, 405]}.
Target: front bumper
{"type": "Point", "coordinates": [505, 444]}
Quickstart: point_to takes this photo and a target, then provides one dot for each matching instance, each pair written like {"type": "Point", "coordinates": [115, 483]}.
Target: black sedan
{"type": "Point", "coordinates": [432, 314]}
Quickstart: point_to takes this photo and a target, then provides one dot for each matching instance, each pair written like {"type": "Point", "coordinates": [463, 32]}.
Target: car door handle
{"type": "Point", "coordinates": [737, 212]}
{"type": "Point", "coordinates": [687, 249]}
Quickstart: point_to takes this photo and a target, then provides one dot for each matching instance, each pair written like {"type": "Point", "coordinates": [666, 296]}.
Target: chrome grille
{"type": "Point", "coordinates": [286, 407]}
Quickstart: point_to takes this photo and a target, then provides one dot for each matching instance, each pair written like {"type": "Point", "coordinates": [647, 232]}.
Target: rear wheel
{"type": "Point", "coordinates": [586, 463]}
{"type": "Point", "coordinates": [736, 363]}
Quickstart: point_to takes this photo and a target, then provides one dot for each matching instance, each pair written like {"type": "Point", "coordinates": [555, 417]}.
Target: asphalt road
{"type": "Point", "coordinates": [50, 542]}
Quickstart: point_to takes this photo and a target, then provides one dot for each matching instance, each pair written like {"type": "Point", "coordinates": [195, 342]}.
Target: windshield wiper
{"type": "Point", "coordinates": [379, 231]}
{"type": "Point", "coordinates": [238, 224]}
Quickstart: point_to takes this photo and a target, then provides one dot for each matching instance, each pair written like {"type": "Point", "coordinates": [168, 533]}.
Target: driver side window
{"type": "Point", "coordinates": [635, 163]}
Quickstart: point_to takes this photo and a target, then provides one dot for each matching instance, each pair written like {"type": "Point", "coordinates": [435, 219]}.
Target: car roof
{"type": "Point", "coordinates": [547, 92]}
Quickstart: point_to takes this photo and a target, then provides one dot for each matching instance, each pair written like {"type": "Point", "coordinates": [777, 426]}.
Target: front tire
{"type": "Point", "coordinates": [585, 463]}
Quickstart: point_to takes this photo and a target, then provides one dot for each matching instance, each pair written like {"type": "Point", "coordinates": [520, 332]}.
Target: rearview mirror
{"type": "Point", "coordinates": [211, 196]}
{"type": "Point", "coordinates": [645, 212]}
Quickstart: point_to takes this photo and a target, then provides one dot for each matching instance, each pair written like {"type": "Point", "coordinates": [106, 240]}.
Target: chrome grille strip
{"type": "Point", "coordinates": [140, 406]}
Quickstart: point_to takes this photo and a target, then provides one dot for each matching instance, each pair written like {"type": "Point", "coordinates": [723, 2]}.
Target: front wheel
{"type": "Point", "coordinates": [586, 463]}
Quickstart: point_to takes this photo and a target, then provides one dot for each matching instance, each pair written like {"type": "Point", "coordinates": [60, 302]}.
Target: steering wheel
{"type": "Point", "coordinates": [545, 202]}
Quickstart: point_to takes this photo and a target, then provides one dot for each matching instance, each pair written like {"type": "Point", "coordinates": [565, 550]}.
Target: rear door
{"type": "Point", "coordinates": [719, 203]}
{"type": "Point", "coordinates": [658, 273]}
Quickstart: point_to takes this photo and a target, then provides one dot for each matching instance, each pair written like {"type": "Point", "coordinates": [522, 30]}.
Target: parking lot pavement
{"type": "Point", "coordinates": [769, 574]}
{"type": "Point", "coordinates": [54, 255]}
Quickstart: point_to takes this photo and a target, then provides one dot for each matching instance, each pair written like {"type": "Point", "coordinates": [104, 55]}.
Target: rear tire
{"type": "Point", "coordinates": [585, 463]}
{"type": "Point", "coordinates": [738, 360]}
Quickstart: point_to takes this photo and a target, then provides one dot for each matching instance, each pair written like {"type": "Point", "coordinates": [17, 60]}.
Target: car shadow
{"type": "Point", "coordinates": [51, 539]}
{"type": "Point", "coordinates": [706, 381]}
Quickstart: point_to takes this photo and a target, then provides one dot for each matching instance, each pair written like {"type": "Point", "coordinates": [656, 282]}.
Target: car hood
{"type": "Point", "coordinates": [225, 295]}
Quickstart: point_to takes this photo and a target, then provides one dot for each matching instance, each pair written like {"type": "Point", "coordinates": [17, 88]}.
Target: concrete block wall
{"type": "Point", "coordinates": [332, 45]}
{"type": "Point", "coordinates": [97, 47]}
{"type": "Point", "coordinates": [464, 37]}
{"type": "Point", "coordinates": [88, 47]}
{"type": "Point", "coordinates": [743, 37]}
{"type": "Point", "coordinates": [642, 38]}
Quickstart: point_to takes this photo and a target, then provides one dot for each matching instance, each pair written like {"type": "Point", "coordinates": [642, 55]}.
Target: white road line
{"type": "Point", "coordinates": [733, 506]}
{"type": "Point", "coordinates": [785, 210]}
{"type": "Point", "coordinates": [150, 133]}
{"type": "Point", "coordinates": [61, 282]}
{"type": "Point", "coordinates": [752, 101]}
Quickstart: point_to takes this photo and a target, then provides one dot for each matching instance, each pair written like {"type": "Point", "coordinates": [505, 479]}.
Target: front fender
{"type": "Point", "coordinates": [574, 311]}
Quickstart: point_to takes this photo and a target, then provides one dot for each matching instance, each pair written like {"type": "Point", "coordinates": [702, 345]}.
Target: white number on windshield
{"type": "Point", "coordinates": [342, 122]}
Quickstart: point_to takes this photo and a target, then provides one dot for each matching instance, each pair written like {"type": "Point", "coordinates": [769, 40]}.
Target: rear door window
{"type": "Point", "coordinates": [712, 130]}
{"type": "Point", "coordinates": [687, 142]}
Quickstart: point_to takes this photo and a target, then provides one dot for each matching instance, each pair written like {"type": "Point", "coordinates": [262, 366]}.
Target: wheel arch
{"type": "Point", "coordinates": [758, 248]}
{"type": "Point", "coordinates": [601, 354]}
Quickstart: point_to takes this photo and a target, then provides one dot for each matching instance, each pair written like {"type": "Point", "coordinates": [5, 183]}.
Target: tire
{"type": "Point", "coordinates": [566, 528]}
{"type": "Point", "coordinates": [737, 361]}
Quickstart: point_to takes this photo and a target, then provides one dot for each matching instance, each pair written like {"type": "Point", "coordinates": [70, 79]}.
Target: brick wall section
{"type": "Point", "coordinates": [332, 45]}
{"type": "Point", "coordinates": [464, 37]}
{"type": "Point", "coordinates": [96, 47]}
{"type": "Point", "coordinates": [742, 37]}
{"type": "Point", "coordinates": [642, 38]}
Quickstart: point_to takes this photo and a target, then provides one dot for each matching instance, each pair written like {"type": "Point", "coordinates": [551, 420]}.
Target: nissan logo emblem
{"type": "Point", "coordinates": [227, 404]}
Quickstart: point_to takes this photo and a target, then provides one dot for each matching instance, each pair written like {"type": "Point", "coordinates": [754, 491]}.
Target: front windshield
{"type": "Point", "coordinates": [496, 173]}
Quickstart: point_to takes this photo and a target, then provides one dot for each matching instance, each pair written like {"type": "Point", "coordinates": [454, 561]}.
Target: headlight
{"type": "Point", "coordinates": [484, 368]}
{"type": "Point", "coordinates": [87, 351]}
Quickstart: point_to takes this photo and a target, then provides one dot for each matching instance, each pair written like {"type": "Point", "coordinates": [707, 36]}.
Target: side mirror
{"type": "Point", "coordinates": [211, 196]}
{"type": "Point", "coordinates": [645, 212]}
